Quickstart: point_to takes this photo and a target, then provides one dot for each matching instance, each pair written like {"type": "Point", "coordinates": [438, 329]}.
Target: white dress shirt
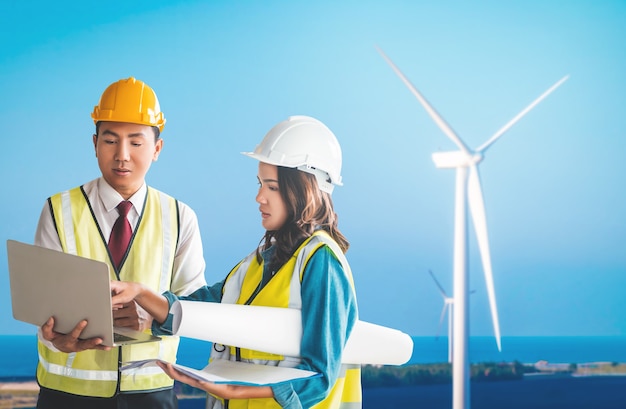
{"type": "Point", "coordinates": [189, 265]}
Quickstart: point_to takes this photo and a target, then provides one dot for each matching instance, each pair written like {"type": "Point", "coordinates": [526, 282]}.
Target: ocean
{"type": "Point", "coordinates": [18, 353]}
{"type": "Point", "coordinates": [526, 349]}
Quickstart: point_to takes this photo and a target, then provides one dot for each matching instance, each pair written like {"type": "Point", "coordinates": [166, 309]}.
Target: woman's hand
{"type": "Point", "coordinates": [123, 292]}
{"type": "Point", "coordinates": [140, 299]}
{"type": "Point", "coordinates": [221, 390]}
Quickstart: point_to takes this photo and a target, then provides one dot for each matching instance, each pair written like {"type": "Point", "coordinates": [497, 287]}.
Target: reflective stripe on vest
{"type": "Point", "coordinates": [93, 372]}
{"type": "Point", "coordinates": [283, 290]}
{"type": "Point", "coordinates": [77, 373]}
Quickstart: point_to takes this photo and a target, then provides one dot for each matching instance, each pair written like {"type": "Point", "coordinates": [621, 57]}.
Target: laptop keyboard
{"type": "Point", "coordinates": [121, 338]}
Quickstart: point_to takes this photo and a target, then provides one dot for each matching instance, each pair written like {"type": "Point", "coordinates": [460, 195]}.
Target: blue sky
{"type": "Point", "coordinates": [226, 72]}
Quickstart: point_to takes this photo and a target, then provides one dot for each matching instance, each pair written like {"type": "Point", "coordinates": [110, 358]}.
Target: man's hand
{"type": "Point", "coordinates": [70, 342]}
{"type": "Point", "coordinates": [131, 315]}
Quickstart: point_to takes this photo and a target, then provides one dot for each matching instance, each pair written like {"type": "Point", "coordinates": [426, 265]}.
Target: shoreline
{"type": "Point", "coordinates": [28, 383]}
{"type": "Point", "coordinates": [23, 393]}
{"type": "Point", "coordinates": [584, 369]}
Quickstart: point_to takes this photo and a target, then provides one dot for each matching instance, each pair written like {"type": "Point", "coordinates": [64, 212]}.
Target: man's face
{"type": "Point", "coordinates": [125, 153]}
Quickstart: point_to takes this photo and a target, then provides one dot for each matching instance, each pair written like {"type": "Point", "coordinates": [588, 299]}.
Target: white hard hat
{"type": "Point", "coordinates": [304, 143]}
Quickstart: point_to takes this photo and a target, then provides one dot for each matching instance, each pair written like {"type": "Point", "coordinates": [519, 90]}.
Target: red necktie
{"type": "Point", "coordinates": [121, 233]}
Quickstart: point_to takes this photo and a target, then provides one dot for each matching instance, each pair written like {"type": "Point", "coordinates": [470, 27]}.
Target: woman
{"type": "Point", "coordinates": [298, 264]}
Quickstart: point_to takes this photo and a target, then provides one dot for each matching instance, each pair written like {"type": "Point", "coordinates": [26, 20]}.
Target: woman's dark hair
{"type": "Point", "coordinates": [308, 209]}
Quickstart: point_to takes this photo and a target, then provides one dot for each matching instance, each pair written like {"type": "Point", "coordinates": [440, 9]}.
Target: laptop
{"type": "Point", "coordinates": [70, 288]}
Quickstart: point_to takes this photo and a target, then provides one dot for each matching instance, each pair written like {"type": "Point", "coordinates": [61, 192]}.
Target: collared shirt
{"type": "Point", "coordinates": [189, 265]}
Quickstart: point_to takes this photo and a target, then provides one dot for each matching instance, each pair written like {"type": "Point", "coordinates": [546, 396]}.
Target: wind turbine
{"type": "Point", "coordinates": [447, 302]}
{"type": "Point", "coordinates": [468, 192]}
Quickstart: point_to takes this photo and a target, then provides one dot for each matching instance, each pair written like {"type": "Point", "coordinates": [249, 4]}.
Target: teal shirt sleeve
{"type": "Point", "coordinates": [329, 311]}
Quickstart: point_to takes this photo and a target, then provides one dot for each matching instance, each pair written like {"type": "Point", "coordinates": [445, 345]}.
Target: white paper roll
{"type": "Point", "coordinates": [377, 345]}
{"type": "Point", "coordinates": [279, 331]}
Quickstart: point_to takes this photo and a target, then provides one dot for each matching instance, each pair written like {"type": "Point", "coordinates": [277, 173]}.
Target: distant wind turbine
{"type": "Point", "coordinates": [468, 192]}
{"type": "Point", "coordinates": [447, 302]}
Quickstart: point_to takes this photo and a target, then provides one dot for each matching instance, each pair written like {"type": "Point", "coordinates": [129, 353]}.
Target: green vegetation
{"type": "Point", "coordinates": [601, 368]}
{"type": "Point", "coordinates": [441, 373]}
{"type": "Point", "coordinates": [427, 374]}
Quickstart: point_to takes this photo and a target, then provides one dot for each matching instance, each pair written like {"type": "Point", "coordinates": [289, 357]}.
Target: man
{"type": "Point", "coordinates": [143, 234]}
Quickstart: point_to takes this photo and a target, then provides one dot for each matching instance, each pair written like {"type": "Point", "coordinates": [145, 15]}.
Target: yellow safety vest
{"type": "Point", "coordinates": [149, 260]}
{"type": "Point", "coordinates": [283, 290]}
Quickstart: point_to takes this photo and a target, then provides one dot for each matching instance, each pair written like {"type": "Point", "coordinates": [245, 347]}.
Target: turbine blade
{"type": "Point", "coordinates": [512, 122]}
{"type": "Point", "coordinates": [429, 109]}
{"type": "Point", "coordinates": [477, 209]}
{"type": "Point", "coordinates": [443, 293]}
{"type": "Point", "coordinates": [441, 317]}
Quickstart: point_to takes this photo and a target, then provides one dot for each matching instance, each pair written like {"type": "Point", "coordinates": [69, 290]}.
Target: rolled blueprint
{"type": "Point", "coordinates": [279, 331]}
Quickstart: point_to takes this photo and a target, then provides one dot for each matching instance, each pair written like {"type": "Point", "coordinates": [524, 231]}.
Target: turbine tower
{"type": "Point", "coordinates": [447, 302]}
{"type": "Point", "coordinates": [468, 192]}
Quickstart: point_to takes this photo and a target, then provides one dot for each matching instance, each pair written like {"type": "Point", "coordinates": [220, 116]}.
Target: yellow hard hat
{"type": "Point", "coordinates": [129, 100]}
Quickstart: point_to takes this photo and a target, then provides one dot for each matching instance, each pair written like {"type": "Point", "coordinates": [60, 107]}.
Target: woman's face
{"type": "Point", "coordinates": [271, 203]}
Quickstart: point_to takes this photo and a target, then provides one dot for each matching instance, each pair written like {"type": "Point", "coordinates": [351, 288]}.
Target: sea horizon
{"type": "Point", "coordinates": [19, 352]}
